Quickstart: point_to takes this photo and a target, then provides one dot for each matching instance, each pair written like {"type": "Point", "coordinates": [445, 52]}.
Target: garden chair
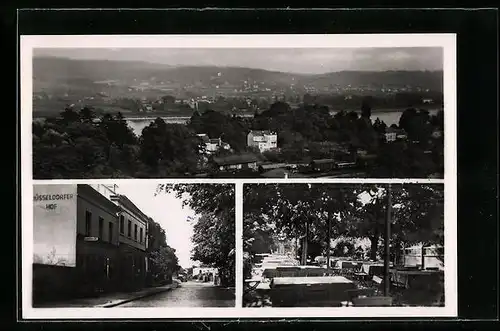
{"type": "Point", "coordinates": [359, 274]}
{"type": "Point", "coordinates": [348, 269]}
{"type": "Point", "coordinates": [251, 286]}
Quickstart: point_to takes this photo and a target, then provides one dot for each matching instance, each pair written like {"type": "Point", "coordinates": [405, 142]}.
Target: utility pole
{"type": "Point", "coordinates": [387, 238]}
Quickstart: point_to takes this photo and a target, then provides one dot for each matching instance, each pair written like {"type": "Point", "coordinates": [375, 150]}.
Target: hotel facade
{"type": "Point", "coordinates": [86, 240]}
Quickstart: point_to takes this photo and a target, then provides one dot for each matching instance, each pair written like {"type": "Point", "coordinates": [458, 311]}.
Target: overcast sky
{"type": "Point", "coordinates": [299, 60]}
{"type": "Point", "coordinates": [166, 210]}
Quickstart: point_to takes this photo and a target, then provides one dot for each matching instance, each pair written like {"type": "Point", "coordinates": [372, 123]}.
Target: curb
{"type": "Point", "coordinates": [121, 302]}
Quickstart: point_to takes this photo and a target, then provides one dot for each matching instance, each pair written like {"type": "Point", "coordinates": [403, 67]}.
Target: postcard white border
{"type": "Point", "coordinates": [446, 41]}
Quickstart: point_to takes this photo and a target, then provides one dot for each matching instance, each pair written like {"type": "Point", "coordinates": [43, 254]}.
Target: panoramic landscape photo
{"type": "Point", "coordinates": [238, 113]}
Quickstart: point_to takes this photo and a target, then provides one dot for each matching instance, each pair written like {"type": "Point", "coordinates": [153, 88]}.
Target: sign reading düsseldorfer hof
{"type": "Point", "coordinates": [54, 215]}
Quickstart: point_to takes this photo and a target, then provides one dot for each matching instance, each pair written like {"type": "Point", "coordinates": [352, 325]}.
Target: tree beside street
{"type": "Point", "coordinates": [214, 230]}
{"type": "Point", "coordinates": [164, 263]}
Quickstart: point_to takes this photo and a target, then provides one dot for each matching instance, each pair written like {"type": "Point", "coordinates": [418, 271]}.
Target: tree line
{"type": "Point", "coordinates": [83, 144]}
{"type": "Point", "coordinates": [164, 261]}
{"type": "Point", "coordinates": [78, 144]}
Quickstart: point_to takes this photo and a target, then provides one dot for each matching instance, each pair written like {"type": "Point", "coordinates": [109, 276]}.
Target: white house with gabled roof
{"type": "Point", "coordinates": [264, 140]}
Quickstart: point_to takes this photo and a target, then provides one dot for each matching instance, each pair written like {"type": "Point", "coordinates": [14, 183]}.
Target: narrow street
{"type": "Point", "coordinates": [189, 294]}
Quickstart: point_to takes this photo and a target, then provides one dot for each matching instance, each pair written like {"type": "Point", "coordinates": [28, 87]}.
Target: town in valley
{"type": "Point", "coordinates": [96, 118]}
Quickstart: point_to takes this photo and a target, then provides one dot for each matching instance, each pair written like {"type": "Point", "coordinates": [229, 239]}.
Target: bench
{"type": "Point", "coordinates": [309, 291]}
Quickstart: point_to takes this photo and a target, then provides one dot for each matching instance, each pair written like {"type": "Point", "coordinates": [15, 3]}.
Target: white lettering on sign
{"type": "Point", "coordinates": [46, 197]}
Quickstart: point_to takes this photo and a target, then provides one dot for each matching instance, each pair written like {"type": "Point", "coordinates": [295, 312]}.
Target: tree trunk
{"type": "Point", "coordinates": [396, 252]}
{"type": "Point", "coordinates": [424, 245]}
{"type": "Point", "coordinates": [307, 241]}
{"type": "Point", "coordinates": [303, 252]}
{"type": "Point", "coordinates": [305, 244]}
{"type": "Point", "coordinates": [374, 247]}
{"type": "Point", "coordinates": [328, 242]}
{"type": "Point", "coordinates": [296, 252]}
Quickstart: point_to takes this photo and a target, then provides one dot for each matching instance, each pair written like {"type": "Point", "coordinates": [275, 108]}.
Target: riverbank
{"type": "Point", "coordinates": [139, 122]}
{"type": "Point", "coordinates": [389, 110]}
{"type": "Point", "coordinates": [42, 113]}
{"type": "Point", "coordinates": [135, 115]}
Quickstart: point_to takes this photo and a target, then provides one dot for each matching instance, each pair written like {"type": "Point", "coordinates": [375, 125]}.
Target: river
{"type": "Point", "coordinates": [392, 117]}
{"type": "Point", "coordinates": [138, 124]}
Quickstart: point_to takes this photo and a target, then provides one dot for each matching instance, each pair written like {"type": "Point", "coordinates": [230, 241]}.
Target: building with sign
{"type": "Point", "coordinates": [133, 238]}
{"type": "Point", "coordinates": [133, 227]}
{"type": "Point", "coordinates": [75, 242]}
{"type": "Point", "coordinates": [97, 241]}
{"type": "Point", "coordinates": [88, 239]}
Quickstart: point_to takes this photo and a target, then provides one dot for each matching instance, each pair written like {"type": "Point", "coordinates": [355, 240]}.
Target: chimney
{"type": "Point", "coordinates": [286, 175]}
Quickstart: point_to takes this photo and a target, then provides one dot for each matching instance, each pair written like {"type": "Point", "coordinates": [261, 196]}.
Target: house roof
{"type": "Point", "coordinates": [127, 203]}
{"type": "Point", "coordinates": [235, 159]}
{"type": "Point", "coordinates": [321, 161]}
{"type": "Point", "coordinates": [398, 132]}
{"type": "Point", "coordinates": [204, 138]}
{"type": "Point", "coordinates": [393, 130]}
{"type": "Point", "coordinates": [89, 191]}
{"type": "Point", "coordinates": [271, 165]}
{"type": "Point", "coordinates": [279, 173]}
{"type": "Point", "coordinates": [261, 132]}
{"type": "Point", "coordinates": [368, 156]}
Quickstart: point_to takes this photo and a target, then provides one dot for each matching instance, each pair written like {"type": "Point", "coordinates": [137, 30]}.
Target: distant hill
{"type": "Point", "coordinates": [53, 72]}
{"type": "Point", "coordinates": [232, 75]}
{"type": "Point", "coordinates": [432, 80]}
{"type": "Point", "coordinates": [57, 69]}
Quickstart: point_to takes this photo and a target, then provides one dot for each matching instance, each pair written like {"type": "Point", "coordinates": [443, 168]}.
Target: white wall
{"type": "Point", "coordinates": [196, 270]}
{"type": "Point", "coordinates": [413, 257]}
{"type": "Point", "coordinates": [105, 190]}
{"type": "Point", "coordinates": [264, 142]}
{"type": "Point", "coordinates": [54, 224]}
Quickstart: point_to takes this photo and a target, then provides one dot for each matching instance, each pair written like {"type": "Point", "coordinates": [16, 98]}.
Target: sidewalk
{"type": "Point", "coordinates": [110, 300]}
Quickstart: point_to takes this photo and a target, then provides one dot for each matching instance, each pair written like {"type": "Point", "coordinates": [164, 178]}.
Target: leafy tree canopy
{"type": "Point", "coordinates": [352, 210]}
{"type": "Point", "coordinates": [214, 230]}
